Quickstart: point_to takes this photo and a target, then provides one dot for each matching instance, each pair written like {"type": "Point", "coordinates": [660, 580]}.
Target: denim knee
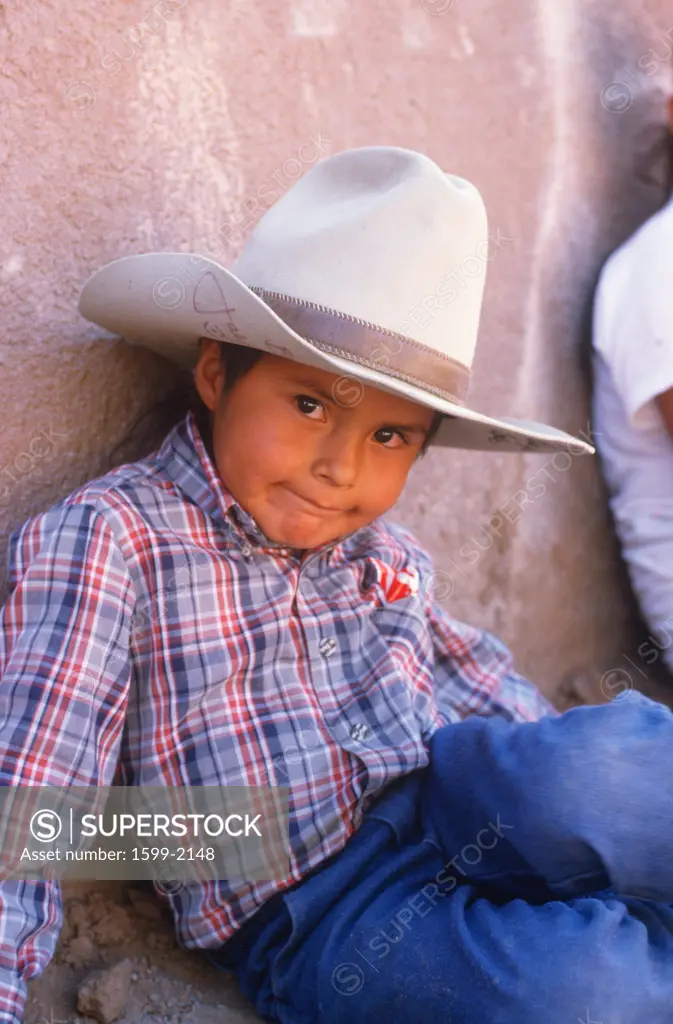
{"type": "Point", "coordinates": [604, 751]}
{"type": "Point", "coordinates": [588, 961]}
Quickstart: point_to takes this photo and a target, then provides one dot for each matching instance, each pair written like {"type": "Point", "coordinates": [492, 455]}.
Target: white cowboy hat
{"type": "Point", "coordinates": [371, 266]}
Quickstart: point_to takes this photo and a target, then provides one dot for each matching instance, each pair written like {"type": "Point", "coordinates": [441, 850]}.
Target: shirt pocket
{"type": "Point", "coordinates": [395, 599]}
{"type": "Point", "coordinates": [390, 658]}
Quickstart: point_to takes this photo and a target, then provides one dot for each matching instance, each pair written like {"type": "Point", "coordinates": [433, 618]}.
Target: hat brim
{"type": "Point", "coordinates": [167, 301]}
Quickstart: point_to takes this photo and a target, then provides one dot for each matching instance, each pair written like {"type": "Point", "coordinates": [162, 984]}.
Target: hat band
{"type": "Point", "coordinates": [390, 353]}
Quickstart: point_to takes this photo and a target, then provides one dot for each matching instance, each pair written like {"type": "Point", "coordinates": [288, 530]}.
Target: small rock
{"type": "Point", "coordinates": [103, 994]}
{"type": "Point", "coordinates": [79, 951]}
{"type": "Point", "coordinates": [160, 941]}
{"type": "Point", "coordinates": [99, 905]}
{"type": "Point", "coordinates": [113, 927]}
{"type": "Point", "coordinates": [144, 906]}
{"type": "Point", "coordinates": [77, 916]}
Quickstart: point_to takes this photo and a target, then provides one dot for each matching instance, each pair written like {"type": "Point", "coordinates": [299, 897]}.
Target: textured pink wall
{"type": "Point", "coordinates": [130, 125]}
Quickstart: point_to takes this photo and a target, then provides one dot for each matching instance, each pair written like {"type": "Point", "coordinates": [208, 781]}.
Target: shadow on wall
{"type": "Point", "coordinates": [150, 427]}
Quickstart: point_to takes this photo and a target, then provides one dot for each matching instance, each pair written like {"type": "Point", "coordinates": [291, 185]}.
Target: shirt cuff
{"type": "Point", "coordinates": [12, 999]}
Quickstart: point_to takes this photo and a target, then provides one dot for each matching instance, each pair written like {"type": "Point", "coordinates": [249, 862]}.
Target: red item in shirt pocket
{"type": "Point", "coordinates": [394, 584]}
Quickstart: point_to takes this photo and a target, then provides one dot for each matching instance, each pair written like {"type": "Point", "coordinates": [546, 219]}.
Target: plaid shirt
{"type": "Point", "coordinates": [154, 636]}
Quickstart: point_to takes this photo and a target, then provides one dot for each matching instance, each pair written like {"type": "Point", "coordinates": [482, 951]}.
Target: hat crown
{"type": "Point", "coordinates": [383, 235]}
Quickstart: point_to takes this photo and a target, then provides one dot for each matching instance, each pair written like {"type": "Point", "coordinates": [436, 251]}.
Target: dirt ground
{"type": "Point", "coordinates": [129, 927]}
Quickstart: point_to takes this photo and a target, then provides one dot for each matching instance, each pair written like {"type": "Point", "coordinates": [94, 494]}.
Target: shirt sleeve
{"type": "Point", "coordinates": [64, 678]}
{"type": "Point", "coordinates": [473, 670]}
{"type": "Point", "coordinates": [474, 674]}
{"type": "Point", "coordinates": [633, 328]}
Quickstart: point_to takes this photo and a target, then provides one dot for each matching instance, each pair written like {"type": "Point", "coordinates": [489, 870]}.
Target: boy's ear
{"type": "Point", "coordinates": [209, 373]}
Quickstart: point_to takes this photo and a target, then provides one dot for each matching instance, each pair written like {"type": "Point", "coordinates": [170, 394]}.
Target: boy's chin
{"type": "Point", "coordinates": [303, 539]}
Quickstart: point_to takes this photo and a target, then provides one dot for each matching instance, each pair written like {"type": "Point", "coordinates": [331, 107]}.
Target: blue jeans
{"type": "Point", "coordinates": [524, 877]}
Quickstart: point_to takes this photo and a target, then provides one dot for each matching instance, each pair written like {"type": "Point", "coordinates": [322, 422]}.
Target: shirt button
{"type": "Point", "coordinates": [246, 550]}
{"type": "Point", "coordinates": [327, 646]}
{"type": "Point", "coordinates": [359, 731]}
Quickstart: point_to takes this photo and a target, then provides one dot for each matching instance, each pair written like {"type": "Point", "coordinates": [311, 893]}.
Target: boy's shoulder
{"type": "Point", "coordinates": [141, 476]}
{"type": "Point", "coordinates": [132, 490]}
{"type": "Point", "coordinates": [139, 484]}
{"type": "Point", "coordinates": [638, 256]}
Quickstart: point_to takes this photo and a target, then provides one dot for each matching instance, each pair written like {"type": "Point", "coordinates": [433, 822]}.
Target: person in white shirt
{"type": "Point", "coordinates": [633, 414]}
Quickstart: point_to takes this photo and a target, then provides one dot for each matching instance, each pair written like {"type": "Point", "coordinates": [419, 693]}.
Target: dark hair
{"type": "Point", "coordinates": [655, 167]}
{"type": "Point", "coordinates": [668, 163]}
{"type": "Point", "coordinates": [238, 360]}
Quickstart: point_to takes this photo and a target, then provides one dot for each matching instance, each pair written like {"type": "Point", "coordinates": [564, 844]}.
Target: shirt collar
{"type": "Point", "coordinates": [189, 465]}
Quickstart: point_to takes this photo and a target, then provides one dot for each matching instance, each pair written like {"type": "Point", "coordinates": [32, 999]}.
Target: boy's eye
{"type": "Point", "coordinates": [391, 432]}
{"type": "Point", "coordinates": [304, 401]}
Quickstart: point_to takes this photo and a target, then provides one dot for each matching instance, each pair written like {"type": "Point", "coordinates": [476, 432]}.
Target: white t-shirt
{"type": "Point", "coordinates": [633, 363]}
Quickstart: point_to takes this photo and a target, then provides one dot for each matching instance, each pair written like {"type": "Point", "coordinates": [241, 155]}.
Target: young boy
{"type": "Point", "coordinates": [458, 851]}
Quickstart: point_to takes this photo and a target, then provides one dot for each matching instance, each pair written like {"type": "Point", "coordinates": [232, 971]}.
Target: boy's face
{"type": "Point", "coordinates": [282, 439]}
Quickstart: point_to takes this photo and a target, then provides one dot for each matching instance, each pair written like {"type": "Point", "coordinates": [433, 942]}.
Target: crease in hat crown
{"type": "Point", "coordinates": [373, 233]}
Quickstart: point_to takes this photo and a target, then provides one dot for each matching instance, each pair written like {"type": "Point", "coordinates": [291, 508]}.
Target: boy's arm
{"type": "Point", "coordinates": [473, 670]}
{"type": "Point", "coordinates": [474, 674]}
{"type": "Point", "coordinates": [64, 678]}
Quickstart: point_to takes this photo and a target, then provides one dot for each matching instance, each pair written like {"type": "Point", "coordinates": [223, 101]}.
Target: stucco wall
{"type": "Point", "coordinates": [132, 125]}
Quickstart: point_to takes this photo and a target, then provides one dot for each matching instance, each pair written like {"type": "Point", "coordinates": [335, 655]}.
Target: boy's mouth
{"type": "Point", "coordinates": [310, 505]}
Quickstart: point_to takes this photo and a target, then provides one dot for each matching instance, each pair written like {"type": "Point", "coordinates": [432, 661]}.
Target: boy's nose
{"type": "Point", "coordinates": [339, 459]}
